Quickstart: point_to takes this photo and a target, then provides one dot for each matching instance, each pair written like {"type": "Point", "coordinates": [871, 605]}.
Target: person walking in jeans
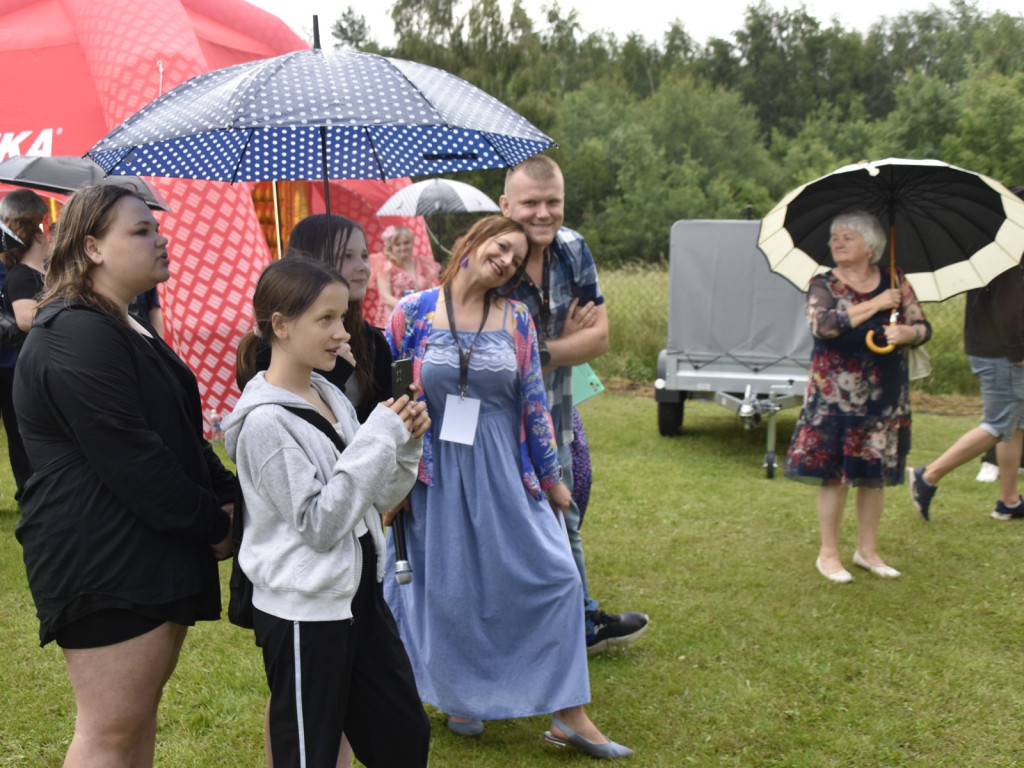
{"type": "Point", "coordinates": [994, 342]}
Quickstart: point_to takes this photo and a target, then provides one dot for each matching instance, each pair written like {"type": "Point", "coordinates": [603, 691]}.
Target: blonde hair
{"type": "Point", "coordinates": [389, 239]}
{"type": "Point", "coordinates": [536, 167]}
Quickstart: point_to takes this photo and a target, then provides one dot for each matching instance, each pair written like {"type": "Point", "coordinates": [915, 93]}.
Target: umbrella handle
{"type": "Point", "coordinates": [869, 340]}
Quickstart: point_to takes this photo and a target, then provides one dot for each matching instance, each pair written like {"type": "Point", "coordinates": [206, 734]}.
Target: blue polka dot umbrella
{"type": "Point", "coordinates": [317, 114]}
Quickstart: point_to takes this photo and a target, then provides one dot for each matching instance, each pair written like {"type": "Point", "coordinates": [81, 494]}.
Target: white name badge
{"type": "Point", "coordinates": [460, 417]}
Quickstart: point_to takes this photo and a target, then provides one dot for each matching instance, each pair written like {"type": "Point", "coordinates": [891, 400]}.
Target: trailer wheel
{"type": "Point", "coordinates": [670, 418]}
{"type": "Point", "coordinates": [769, 464]}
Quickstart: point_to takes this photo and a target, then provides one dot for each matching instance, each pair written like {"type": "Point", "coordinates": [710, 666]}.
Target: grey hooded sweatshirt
{"type": "Point", "coordinates": [306, 505]}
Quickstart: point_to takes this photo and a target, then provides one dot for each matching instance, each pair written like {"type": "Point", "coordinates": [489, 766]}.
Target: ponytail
{"type": "Point", "coordinates": [245, 359]}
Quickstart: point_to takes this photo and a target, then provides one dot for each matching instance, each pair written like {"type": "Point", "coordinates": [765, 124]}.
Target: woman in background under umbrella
{"type": "Point", "coordinates": [397, 271]}
{"type": "Point", "coordinates": [854, 428]}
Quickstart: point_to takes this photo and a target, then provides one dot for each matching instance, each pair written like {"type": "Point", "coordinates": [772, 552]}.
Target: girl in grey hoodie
{"type": "Point", "coordinates": [313, 541]}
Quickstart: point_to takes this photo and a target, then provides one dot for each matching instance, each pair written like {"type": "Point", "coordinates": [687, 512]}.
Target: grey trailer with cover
{"type": "Point", "coordinates": [737, 333]}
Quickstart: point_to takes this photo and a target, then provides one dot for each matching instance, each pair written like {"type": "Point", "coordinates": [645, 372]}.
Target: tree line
{"type": "Point", "coordinates": [650, 132]}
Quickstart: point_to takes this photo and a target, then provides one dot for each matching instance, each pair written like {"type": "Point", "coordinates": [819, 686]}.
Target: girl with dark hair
{"type": "Point", "coordinates": [364, 374]}
{"type": "Point", "coordinates": [128, 508]}
{"type": "Point", "coordinates": [313, 545]}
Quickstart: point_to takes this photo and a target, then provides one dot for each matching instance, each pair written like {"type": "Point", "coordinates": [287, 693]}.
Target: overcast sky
{"type": "Point", "coordinates": [702, 19]}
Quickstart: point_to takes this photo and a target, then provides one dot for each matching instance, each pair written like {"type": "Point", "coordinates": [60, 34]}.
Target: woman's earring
{"type": "Point", "coordinates": [465, 261]}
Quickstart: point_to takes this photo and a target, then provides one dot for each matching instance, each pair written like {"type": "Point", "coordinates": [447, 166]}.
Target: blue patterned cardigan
{"type": "Point", "coordinates": [407, 332]}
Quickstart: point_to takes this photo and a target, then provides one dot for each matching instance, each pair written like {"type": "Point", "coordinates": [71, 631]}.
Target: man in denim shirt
{"type": "Point", "coordinates": [561, 289]}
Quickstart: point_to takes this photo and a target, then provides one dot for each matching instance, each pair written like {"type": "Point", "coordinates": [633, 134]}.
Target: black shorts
{"type": "Point", "coordinates": [106, 627]}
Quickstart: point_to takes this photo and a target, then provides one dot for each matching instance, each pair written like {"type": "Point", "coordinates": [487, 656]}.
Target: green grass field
{"type": "Point", "coordinates": [752, 660]}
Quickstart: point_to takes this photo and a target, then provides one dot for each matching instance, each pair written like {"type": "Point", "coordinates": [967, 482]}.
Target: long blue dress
{"type": "Point", "coordinates": [493, 618]}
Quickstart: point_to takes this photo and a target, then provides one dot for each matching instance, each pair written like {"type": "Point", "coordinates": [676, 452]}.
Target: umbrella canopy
{"type": "Point", "coordinates": [318, 114]}
{"type": "Point", "coordinates": [951, 229]}
{"type": "Point", "coordinates": [425, 198]}
{"type": "Point", "coordinates": [64, 174]}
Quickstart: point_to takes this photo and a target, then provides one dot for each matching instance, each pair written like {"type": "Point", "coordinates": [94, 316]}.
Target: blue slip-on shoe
{"type": "Point", "coordinates": [609, 751]}
{"type": "Point", "coordinates": [471, 729]}
{"type": "Point", "coordinates": [921, 492]}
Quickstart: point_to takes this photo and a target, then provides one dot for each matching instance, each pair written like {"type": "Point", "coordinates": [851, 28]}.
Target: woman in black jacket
{"type": "Point", "coordinates": [127, 510]}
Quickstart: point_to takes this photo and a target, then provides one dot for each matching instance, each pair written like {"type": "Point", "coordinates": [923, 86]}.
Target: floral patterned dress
{"type": "Point", "coordinates": [402, 282]}
{"type": "Point", "coordinates": [855, 423]}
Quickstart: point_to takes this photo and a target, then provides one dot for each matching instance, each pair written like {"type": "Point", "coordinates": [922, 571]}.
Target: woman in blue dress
{"type": "Point", "coordinates": [493, 619]}
{"type": "Point", "coordinates": [854, 428]}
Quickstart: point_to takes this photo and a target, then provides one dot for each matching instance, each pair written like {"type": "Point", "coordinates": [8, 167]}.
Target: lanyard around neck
{"type": "Point", "coordinates": [463, 356]}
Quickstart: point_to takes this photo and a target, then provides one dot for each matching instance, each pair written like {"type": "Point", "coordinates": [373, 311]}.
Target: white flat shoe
{"type": "Point", "coordinates": [842, 576]}
{"type": "Point", "coordinates": [879, 570]}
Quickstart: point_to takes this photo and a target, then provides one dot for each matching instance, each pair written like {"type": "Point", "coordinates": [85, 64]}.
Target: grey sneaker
{"type": "Point", "coordinates": [1003, 512]}
{"type": "Point", "coordinates": [921, 492]}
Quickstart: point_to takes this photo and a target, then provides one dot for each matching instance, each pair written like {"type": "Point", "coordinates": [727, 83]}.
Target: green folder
{"type": "Point", "coordinates": [585, 383]}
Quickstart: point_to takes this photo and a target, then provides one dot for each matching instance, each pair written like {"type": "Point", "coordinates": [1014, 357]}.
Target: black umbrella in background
{"type": "Point", "coordinates": [63, 175]}
{"type": "Point", "coordinates": [950, 229]}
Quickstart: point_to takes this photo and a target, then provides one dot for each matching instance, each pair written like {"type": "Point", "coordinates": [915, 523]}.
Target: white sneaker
{"type": "Point", "coordinates": [988, 473]}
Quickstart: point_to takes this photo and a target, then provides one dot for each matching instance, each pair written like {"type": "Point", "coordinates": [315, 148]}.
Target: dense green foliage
{"type": "Point", "coordinates": [652, 132]}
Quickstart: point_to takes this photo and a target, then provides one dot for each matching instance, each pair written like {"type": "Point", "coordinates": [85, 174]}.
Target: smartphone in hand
{"type": "Point", "coordinates": [401, 377]}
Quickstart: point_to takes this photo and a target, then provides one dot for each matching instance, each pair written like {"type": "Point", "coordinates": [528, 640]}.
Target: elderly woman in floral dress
{"type": "Point", "coordinates": [854, 429]}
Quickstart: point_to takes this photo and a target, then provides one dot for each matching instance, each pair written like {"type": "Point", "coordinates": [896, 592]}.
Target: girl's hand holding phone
{"type": "Point", "coordinates": [413, 413]}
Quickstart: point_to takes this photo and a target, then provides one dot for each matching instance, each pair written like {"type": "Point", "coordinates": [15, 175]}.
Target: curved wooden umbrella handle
{"type": "Point", "coordinates": [869, 340]}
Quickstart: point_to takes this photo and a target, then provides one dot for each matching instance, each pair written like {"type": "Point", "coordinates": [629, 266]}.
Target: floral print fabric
{"type": "Point", "coordinates": [855, 423]}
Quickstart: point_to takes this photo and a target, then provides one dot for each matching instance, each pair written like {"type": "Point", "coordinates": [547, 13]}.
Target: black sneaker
{"type": "Point", "coordinates": [615, 629]}
{"type": "Point", "coordinates": [921, 492]}
{"type": "Point", "coordinates": [1003, 512]}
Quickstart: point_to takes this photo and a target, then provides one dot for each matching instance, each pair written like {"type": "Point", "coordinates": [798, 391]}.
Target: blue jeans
{"type": "Point", "coordinates": [572, 523]}
{"type": "Point", "coordinates": [1002, 395]}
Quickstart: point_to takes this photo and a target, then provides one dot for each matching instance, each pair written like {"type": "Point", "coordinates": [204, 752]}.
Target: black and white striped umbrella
{"type": "Point", "coordinates": [952, 229]}
{"type": "Point", "coordinates": [425, 198]}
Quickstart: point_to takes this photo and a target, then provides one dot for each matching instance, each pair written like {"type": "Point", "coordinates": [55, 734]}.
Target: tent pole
{"type": "Point", "coordinates": [277, 217]}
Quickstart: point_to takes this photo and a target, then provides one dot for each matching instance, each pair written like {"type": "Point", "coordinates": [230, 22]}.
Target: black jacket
{"type": "Point", "coordinates": [125, 496]}
{"type": "Point", "coordinates": [994, 318]}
